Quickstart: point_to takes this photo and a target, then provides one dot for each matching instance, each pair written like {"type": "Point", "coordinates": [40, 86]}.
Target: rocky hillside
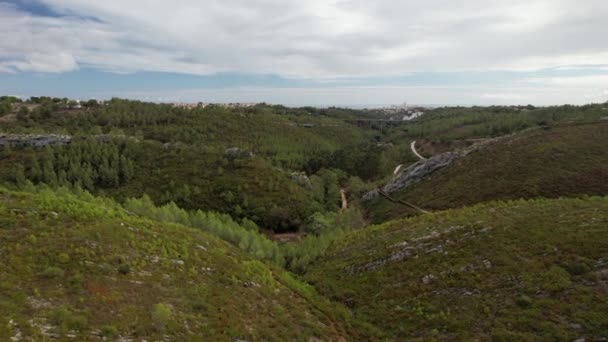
{"type": "Point", "coordinates": [505, 271]}
{"type": "Point", "coordinates": [564, 160]}
{"type": "Point", "coordinates": [82, 268]}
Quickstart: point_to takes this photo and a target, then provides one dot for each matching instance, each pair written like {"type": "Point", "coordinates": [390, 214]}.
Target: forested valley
{"type": "Point", "coordinates": [258, 171]}
{"type": "Point", "coordinates": [285, 191]}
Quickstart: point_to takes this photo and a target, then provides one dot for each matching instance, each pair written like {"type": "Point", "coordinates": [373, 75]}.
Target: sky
{"type": "Point", "coordinates": [313, 52]}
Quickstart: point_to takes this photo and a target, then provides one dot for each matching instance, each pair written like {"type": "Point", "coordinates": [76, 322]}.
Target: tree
{"type": "Point", "coordinates": [126, 169]}
{"type": "Point", "coordinates": [6, 105]}
{"type": "Point", "coordinates": [35, 173]}
{"type": "Point", "coordinates": [91, 103]}
{"type": "Point", "coordinates": [320, 223]}
{"type": "Point", "coordinates": [7, 150]}
{"type": "Point", "coordinates": [19, 175]}
{"type": "Point", "coordinates": [72, 104]}
{"type": "Point", "coordinates": [278, 219]}
{"type": "Point", "coordinates": [23, 113]}
{"type": "Point", "coordinates": [48, 173]}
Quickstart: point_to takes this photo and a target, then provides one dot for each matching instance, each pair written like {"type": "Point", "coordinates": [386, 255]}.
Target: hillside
{"type": "Point", "coordinates": [274, 165]}
{"type": "Point", "coordinates": [195, 248]}
{"type": "Point", "coordinates": [505, 271]}
{"type": "Point", "coordinates": [563, 160]}
{"type": "Point", "coordinates": [80, 267]}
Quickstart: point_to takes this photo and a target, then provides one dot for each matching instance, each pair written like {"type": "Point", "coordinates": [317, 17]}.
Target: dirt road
{"type": "Point", "coordinates": [413, 147]}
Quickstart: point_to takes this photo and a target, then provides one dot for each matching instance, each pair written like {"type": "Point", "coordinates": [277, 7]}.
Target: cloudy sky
{"type": "Point", "coordinates": [317, 52]}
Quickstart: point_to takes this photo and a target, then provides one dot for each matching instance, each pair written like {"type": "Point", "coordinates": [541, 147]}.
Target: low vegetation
{"type": "Point", "coordinates": [564, 160]}
{"type": "Point", "coordinates": [64, 258]}
{"type": "Point", "coordinates": [520, 270]}
{"type": "Point", "coordinates": [146, 221]}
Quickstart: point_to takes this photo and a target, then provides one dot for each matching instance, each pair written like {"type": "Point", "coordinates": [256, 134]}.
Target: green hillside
{"type": "Point", "coordinates": [453, 123]}
{"type": "Point", "coordinates": [563, 160]}
{"type": "Point", "coordinates": [78, 267]}
{"type": "Point", "coordinates": [239, 161]}
{"type": "Point", "coordinates": [505, 271]}
{"type": "Point", "coordinates": [139, 221]}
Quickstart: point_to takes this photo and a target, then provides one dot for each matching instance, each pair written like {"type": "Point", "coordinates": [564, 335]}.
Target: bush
{"type": "Point", "coordinates": [109, 331]}
{"type": "Point", "coordinates": [523, 301]}
{"type": "Point", "coordinates": [161, 315]}
{"type": "Point", "coordinates": [63, 258]}
{"type": "Point", "coordinates": [67, 319]}
{"type": "Point", "coordinates": [124, 269]}
{"type": "Point", "coordinates": [555, 279]}
{"type": "Point", "coordinates": [53, 272]}
{"type": "Point", "coordinates": [75, 283]}
{"type": "Point", "coordinates": [578, 268]}
{"type": "Point", "coordinates": [199, 305]}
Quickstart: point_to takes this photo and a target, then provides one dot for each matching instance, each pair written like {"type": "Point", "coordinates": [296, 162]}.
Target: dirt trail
{"type": "Point", "coordinates": [413, 147]}
{"type": "Point", "coordinates": [387, 196]}
{"type": "Point", "coordinates": [343, 197]}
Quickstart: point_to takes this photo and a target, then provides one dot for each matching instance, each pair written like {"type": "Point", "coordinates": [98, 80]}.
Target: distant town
{"type": "Point", "coordinates": [402, 112]}
{"type": "Point", "coordinates": [191, 105]}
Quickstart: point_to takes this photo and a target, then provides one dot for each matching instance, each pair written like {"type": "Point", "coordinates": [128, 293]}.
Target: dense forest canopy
{"type": "Point", "coordinates": [274, 165]}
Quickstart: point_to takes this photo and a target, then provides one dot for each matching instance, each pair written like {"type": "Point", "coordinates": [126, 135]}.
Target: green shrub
{"type": "Point", "coordinates": [199, 305]}
{"type": "Point", "coordinates": [578, 268]}
{"type": "Point", "coordinates": [523, 301]}
{"type": "Point", "coordinates": [124, 269]}
{"type": "Point", "coordinates": [63, 258]}
{"type": "Point", "coordinates": [555, 279]}
{"type": "Point", "coordinates": [66, 319]}
{"type": "Point", "coordinates": [161, 315]}
{"type": "Point", "coordinates": [75, 283]}
{"type": "Point", "coordinates": [53, 272]}
{"type": "Point", "coordinates": [258, 272]}
{"type": "Point", "coordinates": [109, 331]}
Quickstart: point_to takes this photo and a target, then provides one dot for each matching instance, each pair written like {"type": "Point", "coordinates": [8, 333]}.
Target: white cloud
{"type": "Point", "coordinates": [52, 62]}
{"type": "Point", "coordinates": [372, 96]}
{"type": "Point", "coordinates": [502, 96]}
{"type": "Point", "coordinates": [573, 81]}
{"type": "Point", "coordinates": [309, 39]}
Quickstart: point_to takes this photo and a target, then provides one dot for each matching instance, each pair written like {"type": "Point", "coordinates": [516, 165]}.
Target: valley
{"type": "Point", "coordinates": [128, 220]}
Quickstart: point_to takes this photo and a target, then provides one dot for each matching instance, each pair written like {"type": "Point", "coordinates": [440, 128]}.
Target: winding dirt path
{"type": "Point", "coordinates": [413, 147]}
{"type": "Point", "coordinates": [387, 196]}
{"type": "Point", "coordinates": [343, 197]}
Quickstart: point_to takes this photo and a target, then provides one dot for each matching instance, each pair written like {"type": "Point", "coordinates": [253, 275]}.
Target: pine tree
{"type": "Point", "coordinates": [19, 175]}
{"type": "Point", "coordinates": [48, 174]}
{"type": "Point", "coordinates": [35, 173]}
{"type": "Point", "coordinates": [7, 150]}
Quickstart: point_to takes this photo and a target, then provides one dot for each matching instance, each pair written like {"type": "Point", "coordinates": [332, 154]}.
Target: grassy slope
{"type": "Point", "coordinates": [535, 270]}
{"type": "Point", "coordinates": [567, 160]}
{"type": "Point", "coordinates": [62, 259]}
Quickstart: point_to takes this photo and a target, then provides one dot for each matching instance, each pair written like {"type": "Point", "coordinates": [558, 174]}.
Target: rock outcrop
{"type": "Point", "coordinates": [237, 153]}
{"type": "Point", "coordinates": [416, 172]}
{"type": "Point", "coordinates": [301, 179]}
{"type": "Point", "coordinates": [33, 140]}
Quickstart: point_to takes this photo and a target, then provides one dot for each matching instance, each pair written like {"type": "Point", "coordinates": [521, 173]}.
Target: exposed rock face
{"type": "Point", "coordinates": [301, 179]}
{"type": "Point", "coordinates": [34, 140]}
{"type": "Point", "coordinates": [237, 153]}
{"type": "Point", "coordinates": [423, 168]}
{"type": "Point", "coordinates": [416, 172]}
